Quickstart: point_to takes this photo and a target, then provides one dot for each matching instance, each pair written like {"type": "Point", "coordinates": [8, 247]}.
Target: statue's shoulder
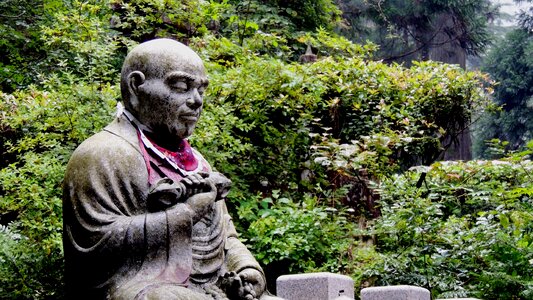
{"type": "Point", "coordinates": [115, 143]}
{"type": "Point", "coordinates": [105, 159]}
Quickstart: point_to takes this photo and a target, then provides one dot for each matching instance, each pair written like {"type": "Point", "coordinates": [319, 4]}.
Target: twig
{"type": "Point", "coordinates": [13, 17]}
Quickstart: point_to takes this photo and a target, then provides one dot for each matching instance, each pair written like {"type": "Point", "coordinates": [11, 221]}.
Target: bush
{"type": "Point", "coordinates": [274, 125]}
{"type": "Point", "coordinates": [466, 231]}
{"type": "Point", "coordinates": [47, 126]}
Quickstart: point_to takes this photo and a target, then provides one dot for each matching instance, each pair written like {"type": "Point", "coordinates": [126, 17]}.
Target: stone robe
{"type": "Point", "coordinates": [116, 249]}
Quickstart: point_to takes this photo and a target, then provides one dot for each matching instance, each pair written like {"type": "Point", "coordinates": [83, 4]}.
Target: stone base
{"type": "Point", "coordinates": [397, 292]}
{"type": "Point", "coordinates": [315, 286]}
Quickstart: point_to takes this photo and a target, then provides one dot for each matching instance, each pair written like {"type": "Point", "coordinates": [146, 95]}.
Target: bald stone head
{"type": "Point", "coordinates": [162, 85]}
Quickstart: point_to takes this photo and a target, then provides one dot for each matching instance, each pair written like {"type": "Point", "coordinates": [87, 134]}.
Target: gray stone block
{"type": "Point", "coordinates": [397, 292]}
{"type": "Point", "coordinates": [314, 286]}
{"type": "Point", "coordinates": [343, 297]}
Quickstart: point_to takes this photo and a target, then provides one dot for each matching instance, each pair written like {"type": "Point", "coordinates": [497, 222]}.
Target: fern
{"type": "Point", "coordinates": [9, 233]}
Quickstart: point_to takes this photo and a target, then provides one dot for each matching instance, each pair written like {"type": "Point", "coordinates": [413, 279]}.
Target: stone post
{"type": "Point", "coordinates": [397, 292]}
{"type": "Point", "coordinates": [315, 286]}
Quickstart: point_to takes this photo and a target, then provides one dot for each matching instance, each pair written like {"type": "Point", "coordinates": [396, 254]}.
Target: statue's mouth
{"type": "Point", "coordinates": [189, 118]}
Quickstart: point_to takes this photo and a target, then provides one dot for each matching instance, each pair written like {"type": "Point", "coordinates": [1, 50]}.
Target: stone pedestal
{"type": "Point", "coordinates": [397, 292]}
{"type": "Point", "coordinates": [315, 286]}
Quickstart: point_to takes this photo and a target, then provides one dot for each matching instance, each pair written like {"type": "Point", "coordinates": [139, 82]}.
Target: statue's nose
{"type": "Point", "coordinates": [196, 100]}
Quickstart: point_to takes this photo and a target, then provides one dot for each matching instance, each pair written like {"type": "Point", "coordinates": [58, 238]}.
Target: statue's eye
{"type": "Point", "coordinates": [180, 86]}
{"type": "Point", "coordinates": [201, 90]}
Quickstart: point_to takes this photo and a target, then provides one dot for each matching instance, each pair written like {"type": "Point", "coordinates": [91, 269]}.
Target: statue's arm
{"type": "Point", "coordinates": [105, 190]}
{"type": "Point", "coordinates": [106, 222]}
{"type": "Point", "coordinates": [241, 261]}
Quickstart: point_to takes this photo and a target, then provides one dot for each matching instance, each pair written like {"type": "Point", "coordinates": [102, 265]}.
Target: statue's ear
{"type": "Point", "coordinates": [135, 79]}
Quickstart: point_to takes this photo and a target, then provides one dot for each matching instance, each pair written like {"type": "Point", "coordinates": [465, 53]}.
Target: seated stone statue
{"type": "Point", "coordinates": [144, 214]}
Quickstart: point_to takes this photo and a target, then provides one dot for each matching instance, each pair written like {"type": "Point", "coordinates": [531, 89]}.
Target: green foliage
{"type": "Point", "coordinates": [525, 19]}
{"type": "Point", "coordinates": [308, 15]}
{"type": "Point", "coordinates": [48, 126]}
{"type": "Point", "coordinates": [80, 43]}
{"type": "Point", "coordinates": [22, 53]}
{"type": "Point", "coordinates": [142, 20]}
{"type": "Point", "coordinates": [41, 125]}
{"type": "Point", "coordinates": [510, 64]}
{"type": "Point", "coordinates": [411, 30]}
{"type": "Point", "coordinates": [415, 107]}
{"type": "Point", "coordinates": [290, 236]}
{"type": "Point", "coordinates": [302, 235]}
{"type": "Point", "coordinates": [48, 36]}
{"type": "Point", "coordinates": [466, 232]}
{"type": "Point", "coordinates": [20, 260]}
{"type": "Point", "coordinates": [282, 107]}
{"type": "Point", "coordinates": [288, 16]}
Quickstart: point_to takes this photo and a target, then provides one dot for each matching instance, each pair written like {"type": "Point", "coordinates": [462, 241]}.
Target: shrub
{"type": "Point", "coordinates": [47, 126]}
{"type": "Point", "coordinates": [465, 232]}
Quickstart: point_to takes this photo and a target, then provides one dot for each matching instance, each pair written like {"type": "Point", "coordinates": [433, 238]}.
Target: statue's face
{"type": "Point", "coordinates": [171, 103]}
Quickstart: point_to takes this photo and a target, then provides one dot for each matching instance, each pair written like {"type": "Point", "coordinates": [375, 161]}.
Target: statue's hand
{"type": "Point", "coordinates": [195, 184]}
{"type": "Point", "coordinates": [222, 183]}
{"type": "Point", "coordinates": [163, 194]}
{"type": "Point", "coordinates": [203, 194]}
{"type": "Point", "coordinates": [248, 284]}
{"type": "Point", "coordinates": [253, 283]}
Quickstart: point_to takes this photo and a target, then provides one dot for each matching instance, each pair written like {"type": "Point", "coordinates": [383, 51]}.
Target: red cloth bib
{"type": "Point", "coordinates": [185, 158]}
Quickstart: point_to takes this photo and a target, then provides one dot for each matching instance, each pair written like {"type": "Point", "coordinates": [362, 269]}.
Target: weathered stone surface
{"type": "Point", "coordinates": [398, 292]}
{"type": "Point", "coordinates": [315, 286]}
{"type": "Point", "coordinates": [344, 298]}
{"type": "Point", "coordinates": [144, 214]}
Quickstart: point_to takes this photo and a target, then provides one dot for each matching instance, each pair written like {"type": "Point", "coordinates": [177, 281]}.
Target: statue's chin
{"type": "Point", "coordinates": [183, 132]}
{"type": "Point", "coordinates": [169, 133]}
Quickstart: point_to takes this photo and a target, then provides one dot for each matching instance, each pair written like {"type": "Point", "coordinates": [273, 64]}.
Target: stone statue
{"type": "Point", "coordinates": [144, 214]}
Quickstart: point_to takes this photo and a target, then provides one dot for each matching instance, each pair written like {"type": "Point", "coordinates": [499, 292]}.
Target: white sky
{"type": "Point", "coordinates": [510, 7]}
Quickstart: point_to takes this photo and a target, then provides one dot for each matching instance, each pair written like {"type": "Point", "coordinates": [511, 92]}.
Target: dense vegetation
{"type": "Point", "coordinates": [420, 30]}
{"type": "Point", "coordinates": [321, 154]}
{"type": "Point", "coordinates": [510, 63]}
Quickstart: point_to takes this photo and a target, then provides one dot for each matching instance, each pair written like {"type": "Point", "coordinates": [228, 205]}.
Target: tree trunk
{"type": "Point", "coordinates": [446, 48]}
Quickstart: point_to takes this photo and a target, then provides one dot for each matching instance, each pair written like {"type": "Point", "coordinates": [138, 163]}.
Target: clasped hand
{"type": "Point", "coordinates": [202, 194]}
{"type": "Point", "coordinates": [196, 191]}
{"type": "Point", "coordinates": [248, 284]}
